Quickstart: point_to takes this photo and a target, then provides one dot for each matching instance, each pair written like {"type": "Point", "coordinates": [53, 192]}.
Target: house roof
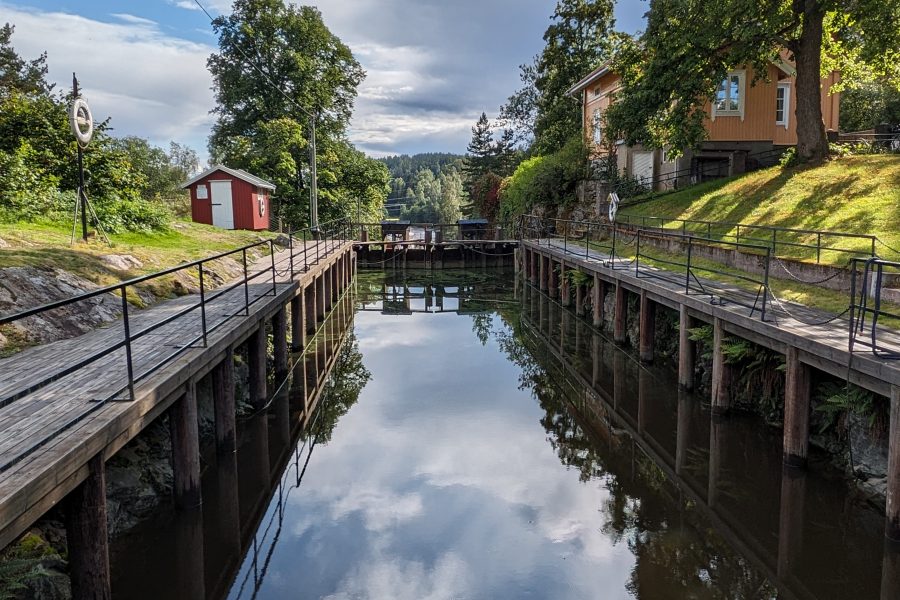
{"type": "Point", "coordinates": [238, 173]}
{"type": "Point", "coordinates": [589, 79]}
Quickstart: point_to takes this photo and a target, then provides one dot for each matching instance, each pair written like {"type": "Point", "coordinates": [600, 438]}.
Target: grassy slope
{"type": "Point", "coordinates": [47, 246]}
{"type": "Point", "coordinates": [857, 194]}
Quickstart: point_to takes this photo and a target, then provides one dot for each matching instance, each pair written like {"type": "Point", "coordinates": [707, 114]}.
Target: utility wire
{"type": "Point", "coordinates": [237, 47]}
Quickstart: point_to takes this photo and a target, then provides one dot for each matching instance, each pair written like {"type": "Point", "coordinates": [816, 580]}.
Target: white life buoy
{"type": "Point", "coordinates": [262, 206]}
{"type": "Point", "coordinates": [613, 200]}
{"type": "Point", "coordinates": [81, 121]}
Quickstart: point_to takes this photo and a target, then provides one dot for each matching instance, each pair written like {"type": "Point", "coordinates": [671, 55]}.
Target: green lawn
{"type": "Point", "coordinates": [47, 245]}
{"type": "Point", "coordinates": [857, 194]}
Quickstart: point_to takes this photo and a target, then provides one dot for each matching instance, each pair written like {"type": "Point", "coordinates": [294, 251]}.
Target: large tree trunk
{"type": "Point", "coordinates": [812, 143]}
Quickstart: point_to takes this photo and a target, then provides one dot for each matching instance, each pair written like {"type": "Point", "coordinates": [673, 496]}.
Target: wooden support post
{"type": "Point", "coordinates": [721, 396]}
{"type": "Point", "coordinates": [645, 385]}
{"type": "Point", "coordinates": [790, 521]}
{"type": "Point", "coordinates": [621, 310]}
{"type": "Point", "coordinates": [544, 276]}
{"type": "Point", "coordinates": [320, 297]}
{"type": "Point", "coordinates": [565, 286]}
{"type": "Point", "coordinates": [328, 284]}
{"type": "Point", "coordinates": [686, 350]}
{"type": "Point", "coordinates": [796, 410]}
{"type": "Point", "coordinates": [87, 537]}
{"type": "Point", "coordinates": [188, 556]}
{"type": "Point", "coordinates": [620, 388]}
{"type": "Point", "coordinates": [309, 297]}
{"type": "Point", "coordinates": [185, 431]}
{"type": "Point", "coordinates": [596, 344]}
{"type": "Point", "coordinates": [647, 328]}
{"type": "Point", "coordinates": [579, 300]}
{"type": "Point", "coordinates": [554, 279]}
{"type": "Point", "coordinates": [533, 273]}
{"type": "Point", "coordinates": [279, 341]}
{"type": "Point", "coordinates": [892, 529]}
{"type": "Point", "coordinates": [335, 283]}
{"type": "Point", "coordinates": [298, 324]}
{"type": "Point", "coordinates": [597, 300]}
{"type": "Point", "coordinates": [256, 360]}
{"type": "Point", "coordinates": [223, 400]}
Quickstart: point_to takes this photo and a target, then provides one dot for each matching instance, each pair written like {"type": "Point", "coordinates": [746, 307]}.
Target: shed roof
{"type": "Point", "coordinates": [239, 173]}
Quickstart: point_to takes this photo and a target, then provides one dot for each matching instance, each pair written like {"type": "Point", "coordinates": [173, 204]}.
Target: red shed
{"type": "Point", "coordinates": [230, 199]}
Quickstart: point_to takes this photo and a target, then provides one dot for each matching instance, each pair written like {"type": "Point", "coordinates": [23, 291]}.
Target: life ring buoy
{"type": "Point", "coordinates": [613, 200]}
{"type": "Point", "coordinates": [262, 206]}
{"type": "Point", "coordinates": [81, 121]}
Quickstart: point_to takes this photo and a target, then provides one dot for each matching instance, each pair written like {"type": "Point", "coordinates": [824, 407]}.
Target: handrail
{"type": "Point", "coordinates": [771, 241]}
{"type": "Point", "coordinates": [866, 301]}
{"type": "Point", "coordinates": [328, 237]}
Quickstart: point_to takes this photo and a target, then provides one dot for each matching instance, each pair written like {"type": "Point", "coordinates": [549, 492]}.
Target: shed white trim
{"type": "Point", "coordinates": [238, 173]}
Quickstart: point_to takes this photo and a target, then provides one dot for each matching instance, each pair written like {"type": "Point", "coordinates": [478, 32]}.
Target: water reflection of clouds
{"type": "Point", "coordinates": [440, 483]}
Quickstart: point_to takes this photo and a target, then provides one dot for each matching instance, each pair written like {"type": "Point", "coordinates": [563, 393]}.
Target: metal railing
{"type": "Point", "coordinates": [436, 233]}
{"type": "Point", "coordinates": [327, 238]}
{"type": "Point", "coordinates": [781, 240]}
{"type": "Point", "coordinates": [867, 308]}
{"type": "Point", "coordinates": [625, 250]}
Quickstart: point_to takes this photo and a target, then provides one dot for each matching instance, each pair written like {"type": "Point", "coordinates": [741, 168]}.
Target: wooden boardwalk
{"type": "Point", "coordinates": [48, 435]}
{"type": "Point", "coordinates": [822, 337]}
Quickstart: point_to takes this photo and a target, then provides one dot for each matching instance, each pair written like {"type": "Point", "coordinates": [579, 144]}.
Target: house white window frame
{"type": "Point", "coordinates": [741, 74]}
{"type": "Point", "coordinates": [786, 109]}
{"type": "Point", "coordinates": [597, 126]}
{"type": "Point", "coordinates": [597, 91]}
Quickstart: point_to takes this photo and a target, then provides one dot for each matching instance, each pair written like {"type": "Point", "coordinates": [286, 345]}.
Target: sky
{"type": "Point", "coordinates": [433, 65]}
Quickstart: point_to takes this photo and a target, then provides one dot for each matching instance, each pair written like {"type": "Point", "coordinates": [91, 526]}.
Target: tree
{"type": "Point", "coordinates": [163, 172]}
{"type": "Point", "coordinates": [520, 111]}
{"type": "Point", "coordinates": [481, 151]}
{"type": "Point", "coordinates": [577, 41]}
{"type": "Point", "coordinates": [27, 77]}
{"type": "Point", "coordinates": [277, 65]}
{"type": "Point", "coordinates": [690, 45]}
{"type": "Point", "coordinates": [868, 105]}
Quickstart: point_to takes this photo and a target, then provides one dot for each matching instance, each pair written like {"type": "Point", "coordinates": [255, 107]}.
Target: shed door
{"type": "Point", "coordinates": [642, 167]}
{"type": "Point", "coordinates": [222, 209]}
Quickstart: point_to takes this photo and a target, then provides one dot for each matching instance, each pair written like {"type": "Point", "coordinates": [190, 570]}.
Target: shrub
{"type": "Point", "coordinates": [549, 180]}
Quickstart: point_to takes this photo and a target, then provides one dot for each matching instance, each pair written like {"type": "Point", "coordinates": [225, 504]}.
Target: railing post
{"type": "Point", "coordinates": [738, 240]}
{"type": "Point", "coordinates": [274, 274]}
{"type": "Point", "coordinates": [305, 250]}
{"type": "Point", "coordinates": [852, 332]}
{"type": "Point", "coordinates": [587, 241]}
{"type": "Point", "coordinates": [127, 330]}
{"type": "Point", "coordinates": [818, 247]}
{"type": "Point", "coordinates": [774, 240]}
{"type": "Point", "coordinates": [202, 304]}
{"type": "Point", "coordinates": [637, 253]}
{"type": "Point", "coordinates": [612, 258]}
{"type": "Point", "coordinates": [246, 284]}
{"type": "Point", "coordinates": [687, 272]}
{"type": "Point", "coordinates": [873, 247]}
{"type": "Point", "coordinates": [291, 250]}
{"type": "Point", "coordinates": [765, 285]}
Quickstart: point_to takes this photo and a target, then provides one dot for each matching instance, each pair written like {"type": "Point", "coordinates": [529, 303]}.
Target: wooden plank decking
{"type": "Point", "coordinates": [824, 345]}
{"type": "Point", "coordinates": [48, 435]}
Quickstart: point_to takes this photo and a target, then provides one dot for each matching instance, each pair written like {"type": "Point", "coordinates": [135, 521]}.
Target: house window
{"type": "Point", "coordinates": [201, 192]}
{"type": "Point", "coordinates": [597, 126]}
{"type": "Point", "coordinates": [782, 104]}
{"type": "Point", "coordinates": [730, 96]}
{"type": "Point", "coordinates": [596, 91]}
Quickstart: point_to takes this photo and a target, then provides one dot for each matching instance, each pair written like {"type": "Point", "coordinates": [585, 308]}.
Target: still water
{"type": "Point", "coordinates": [459, 435]}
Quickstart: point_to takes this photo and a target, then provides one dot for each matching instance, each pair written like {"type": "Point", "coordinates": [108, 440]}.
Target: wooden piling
{"type": "Point", "coordinates": [86, 535]}
{"type": "Point", "coordinates": [721, 397]}
{"type": "Point", "coordinates": [223, 401]}
{"type": "Point", "coordinates": [892, 529]}
{"type": "Point", "coordinates": [328, 284]}
{"type": "Point", "coordinates": [320, 297]}
{"type": "Point", "coordinates": [686, 350]}
{"type": "Point", "coordinates": [544, 275]}
{"type": "Point", "coordinates": [565, 286]}
{"type": "Point", "coordinates": [298, 324]}
{"type": "Point", "coordinates": [579, 300]}
{"type": "Point", "coordinates": [280, 346]}
{"type": "Point", "coordinates": [716, 448]}
{"type": "Point", "coordinates": [256, 360]}
{"type": "Point", "coordinates": [597, 301]}
{"type": "Point", "coordinates": [309, 299]}
{"type": "Point", "coordinates": [682, 431]}
{"type": "Point", "coordinates": [890, 570]}
{"type": "Point", "coordinates": [647, 328]}
{"type": "Point", "coordinates": [796, 410]}
{"type": "Point", "coordinates": [185, 433]}
{"type": "Point", "coordinates": [554, 280]}
{"type": "Point", "coordinates": [621, 310]}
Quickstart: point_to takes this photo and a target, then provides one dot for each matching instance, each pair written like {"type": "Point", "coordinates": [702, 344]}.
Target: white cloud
{"type": "Point", "coordinates": [149, 83]}
{"type": "Point", "coordinates": [406, 580]}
